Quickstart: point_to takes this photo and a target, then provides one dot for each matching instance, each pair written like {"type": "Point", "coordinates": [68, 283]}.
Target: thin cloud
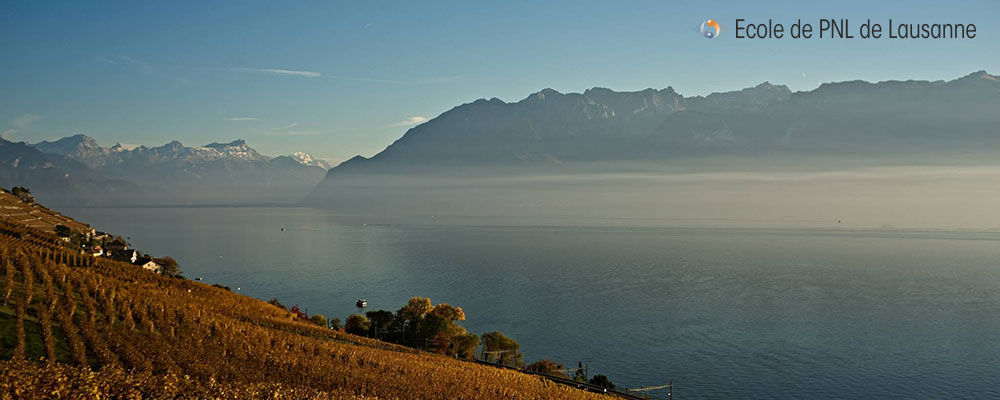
{"type": "Point", "coordinates": [20, 123]}
{"type": "Point", "coordinates": [146, 67]}
{"type": "Point", "coordinates": [368, 25]}
{"type": "Point", "coordinates": [242, 119]}
{"type": "Point", "coordinates": [128, 61]}
{"type": "Point", "coordinates": [414, 120]}
{"type": "Point", "coordinates": [286, 72]}
{"type": "Point", "coordinates": [288, 130]}
{"type": "Point", "coordinates": [311, 74]}
{"type": "Point", "coordinates": [352, 78]}
{"type": "Point", "coordinates": [24, 120]}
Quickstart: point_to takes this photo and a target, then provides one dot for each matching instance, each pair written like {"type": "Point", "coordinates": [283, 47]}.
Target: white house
{"type": "Point", "coordinates": [149, 265]}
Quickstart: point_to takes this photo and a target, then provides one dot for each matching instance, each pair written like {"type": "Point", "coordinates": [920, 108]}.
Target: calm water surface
{"type": "Point", "coordinates": [726, 312]}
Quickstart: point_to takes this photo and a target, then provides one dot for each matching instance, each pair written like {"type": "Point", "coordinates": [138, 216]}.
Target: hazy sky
{"type": "Point", "coordinates": [342, 78]}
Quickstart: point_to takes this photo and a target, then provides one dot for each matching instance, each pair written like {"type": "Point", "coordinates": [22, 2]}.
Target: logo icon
{"type": "Point", "coordinates": [710, 29]}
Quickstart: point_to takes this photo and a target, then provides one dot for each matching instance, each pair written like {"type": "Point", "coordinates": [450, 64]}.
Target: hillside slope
{"type": "Point", "coordinates": [35, 215]}
{"type": "Point", "coordinates": [75, 326]}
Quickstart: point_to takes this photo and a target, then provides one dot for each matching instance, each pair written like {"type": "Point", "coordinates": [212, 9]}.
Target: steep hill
{"type": "Point", "coordinates": [75, 326]}
{"type": "Point", "coordinates": [34, 215]}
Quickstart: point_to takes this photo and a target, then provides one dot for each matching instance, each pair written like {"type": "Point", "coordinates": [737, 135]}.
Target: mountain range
{"type": "Point", "coordinates": [549, 130]}
{"type": "Point", "coordinates": [56, 177]}
{"type": "Point", "coordinates": [601, 124]}
{"type": "Point", "coordinates": [76, 170]}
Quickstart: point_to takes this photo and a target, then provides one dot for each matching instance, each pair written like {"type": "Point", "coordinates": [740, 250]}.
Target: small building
{"type": "Point", "coordinates": [149, 264]}
{"type": "Point", "coordinates": [116, 245]}
{"type": "Point", "coordinates": [129, 256]}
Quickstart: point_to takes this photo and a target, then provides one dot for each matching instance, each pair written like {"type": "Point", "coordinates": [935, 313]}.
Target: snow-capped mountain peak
{"type": "Point", "coordinates": [307, 159]}
{"type": "Point", "coordinates": [237, 149]}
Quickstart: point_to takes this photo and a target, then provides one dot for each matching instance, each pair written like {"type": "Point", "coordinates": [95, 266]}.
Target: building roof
{"type": "Point", "coordinates": [121, 255]}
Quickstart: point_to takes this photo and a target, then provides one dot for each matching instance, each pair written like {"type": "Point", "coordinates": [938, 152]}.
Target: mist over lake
{"type": "Point", "coordinates": [759, 243]}
{"type": "Point", "coordinates": [725, 308]}
{"type": "Point", "coordinates": [467, 200]}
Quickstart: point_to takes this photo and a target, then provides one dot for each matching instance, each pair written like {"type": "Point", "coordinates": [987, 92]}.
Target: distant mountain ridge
{"type": "Point", "coordinates": [216, 173]}
{"type": "Point", "coordinates": [547, 128]}
{"type": "Point", "coordinates": [86, 150]}
{"type": "Point", "coordinates": [601, 124]}
{"type": "Point", "coordinates": [304, 159]}
{"type": "Point", "coordinates": [57, 177]}
{"type": "Point", "coordinates": [551, 128]}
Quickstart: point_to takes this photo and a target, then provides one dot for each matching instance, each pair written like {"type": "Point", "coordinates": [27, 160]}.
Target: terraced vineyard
{"type": "Point", "coordinates": [35, 215]}
{"type": "Point", "coordinates": [78, 327]}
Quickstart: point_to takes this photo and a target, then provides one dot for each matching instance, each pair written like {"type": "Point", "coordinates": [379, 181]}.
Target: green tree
{"type": "Point", "coordinates": [602, 381]}
{"type": "Point", "coordinates": [23, 193]}
{"type": "Point", "coordinates": [335, 324]}
{"type": "Point", "coordinates": [548, 367]}
{"type": "Point", "coordinates": [63, 231]}
{"type": "Point", "coordinates": [419, 321]}
{"type": "Point", "coordinates": [381, 322]}
{"type": "Point", "coordinates": [440, 344]}
{"type": "Point", "coordinates": [319, 319]}
{"type": "Point", "coordinates": [408, 318]}
{"type": "Point", "coordinates": [357, 324]}
{"type": "Point", "coordinates": [415, 309]}
{"type": "Point", "coordinates": [441, 321]}
{"type": "Point", "coordinates": [501, 349]}
{"type": "Point", "coordinates": [169, 264]}
{"type": "Point", "coordinates": [465, 345]}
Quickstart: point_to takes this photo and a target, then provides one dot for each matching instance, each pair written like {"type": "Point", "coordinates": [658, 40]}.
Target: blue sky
{"type": "Point", "coordinates": [342, 78]}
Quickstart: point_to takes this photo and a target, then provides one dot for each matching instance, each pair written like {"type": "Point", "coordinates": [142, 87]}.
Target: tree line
{"type": "Point", "coordinates": [432, 327]}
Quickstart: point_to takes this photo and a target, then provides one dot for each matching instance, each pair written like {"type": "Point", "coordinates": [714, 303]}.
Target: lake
{"type": "Point", "coordinates": [724, 309]}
